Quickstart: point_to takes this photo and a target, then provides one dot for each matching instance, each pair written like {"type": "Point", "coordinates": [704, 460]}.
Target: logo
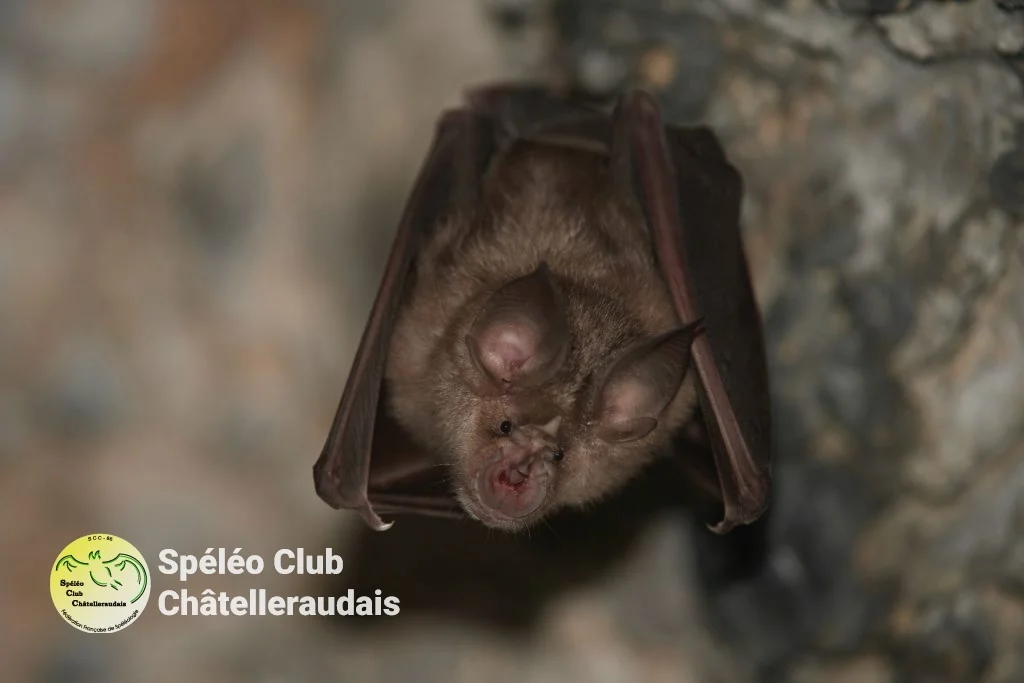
{"type": "Point", "coordinates": [100, 583]}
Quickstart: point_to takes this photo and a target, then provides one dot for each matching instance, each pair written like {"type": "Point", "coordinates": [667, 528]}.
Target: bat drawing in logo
{"type": "Point", "coordinates": [108, 573]}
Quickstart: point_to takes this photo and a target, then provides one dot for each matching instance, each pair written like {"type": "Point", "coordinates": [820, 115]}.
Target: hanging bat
{"type": "Point", "coordinates": [566, 293]}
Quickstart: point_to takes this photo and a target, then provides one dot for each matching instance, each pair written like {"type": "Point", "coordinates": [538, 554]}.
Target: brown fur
{"type": "Point", "coordinates": [560, 206]}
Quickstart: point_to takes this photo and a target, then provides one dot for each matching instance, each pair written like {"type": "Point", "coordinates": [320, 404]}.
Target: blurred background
{"type": "Point", "coordinates": [196, 200]}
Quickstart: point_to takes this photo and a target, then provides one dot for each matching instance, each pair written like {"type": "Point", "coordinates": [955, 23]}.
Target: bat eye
{"type": "Point", "coordinates": [558, 454]}
{"type": "Point", "coordinates": [505, 427]}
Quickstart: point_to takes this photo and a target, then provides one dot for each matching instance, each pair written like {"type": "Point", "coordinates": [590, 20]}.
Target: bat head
{"type": "Point", "coordinates": [521, 336]}
{"type": "Point", "coordinates": [528, 464]}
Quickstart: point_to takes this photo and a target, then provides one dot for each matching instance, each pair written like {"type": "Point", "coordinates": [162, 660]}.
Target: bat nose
{"type": "Point", "coordinates": [532, 439]}
{"type": "Point", "coordinates": [517, 474]}
{"type": "Point", "coordinates": [514, 488]}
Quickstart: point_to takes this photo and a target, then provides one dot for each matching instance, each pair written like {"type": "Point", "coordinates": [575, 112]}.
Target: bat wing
{"type": "Point", "coordinates": [691, 197]}
{"type": "Point", "coordinates": [367, 463]}
{"type": "Point", "coordinates": [70, 563]}
{"type": "Point", "coordinates": [124, 562]}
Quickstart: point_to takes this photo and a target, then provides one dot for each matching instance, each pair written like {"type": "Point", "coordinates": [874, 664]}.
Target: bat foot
{"type": "Point", "coordinates": [741, 512]}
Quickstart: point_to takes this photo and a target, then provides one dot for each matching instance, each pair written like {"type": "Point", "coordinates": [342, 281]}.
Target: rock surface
{"type": "Point", "coordinates": [197, 199]}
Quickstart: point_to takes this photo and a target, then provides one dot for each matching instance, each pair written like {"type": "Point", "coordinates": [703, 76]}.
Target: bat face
{"type": "Point", "coordinates": [521, 466]}
{"type": "Point", "coordinates": [509, 471]}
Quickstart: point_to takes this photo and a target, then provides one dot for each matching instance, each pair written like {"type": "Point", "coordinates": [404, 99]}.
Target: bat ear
{"type": "Point", "coordinates": [641, 383]}
{"type": "Point", "coordinates": [521, 338]}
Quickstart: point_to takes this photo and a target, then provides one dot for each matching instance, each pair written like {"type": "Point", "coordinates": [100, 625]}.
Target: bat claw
{"type": "Point", "coordinates": [373, 520]}
{"type": "Point", "coordinates": [722, 528]}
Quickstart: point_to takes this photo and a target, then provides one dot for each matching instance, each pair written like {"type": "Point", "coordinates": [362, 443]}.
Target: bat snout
{"type": "Point", "coordinates": [514, 488]}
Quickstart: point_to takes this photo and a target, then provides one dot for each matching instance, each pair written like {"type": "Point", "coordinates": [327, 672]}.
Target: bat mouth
{"type": "Point", "coordinates": [508, 493]}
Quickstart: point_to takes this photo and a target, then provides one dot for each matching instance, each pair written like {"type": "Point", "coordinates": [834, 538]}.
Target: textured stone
{"type": "Point", "coordinates": [1010, 5]}
{"type": "Point", "coordinates": [951, 640]}
{"type": "Point", "coordinates": [74, 662]}
{"type": "Point", "coordinates": [863, 670]}
{"type": "Point", "coordinates": [219, 197]}
{"type": "Point", "coordinates": [15, 430]}
{"type": "Point", "coordinates": [954, 29]}
{"type": "Point", "coordinates": [982, 539]}
{"type": "Point", "coordinates": [1006, 180]}
{"type": "Point", "coordinates": [971, 407]}
{"type": "Point", "coordinates": [674, 52]}
{"type": "Point", "coordinates": [15, 115]}
{"type": "Point", "coordinates": [874, 6]}
{"type": "Point", "coordinates": [1010, 39]}
{"type": "Point", "coordinates": [512, 15]}
{"type": "Point", "coordinates": [87, 35]}
{"type": "Point", "coordinates": [84, 393]}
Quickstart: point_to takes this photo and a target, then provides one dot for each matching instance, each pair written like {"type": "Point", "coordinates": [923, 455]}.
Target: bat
{"type": "Point", "coordinates": [102, 572]}
{"type": "Point", "coordinates": [566, 294]}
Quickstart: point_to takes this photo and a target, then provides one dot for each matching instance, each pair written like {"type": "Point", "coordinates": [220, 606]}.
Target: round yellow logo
{"type": "Point", "coordinates": [100, 583]}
